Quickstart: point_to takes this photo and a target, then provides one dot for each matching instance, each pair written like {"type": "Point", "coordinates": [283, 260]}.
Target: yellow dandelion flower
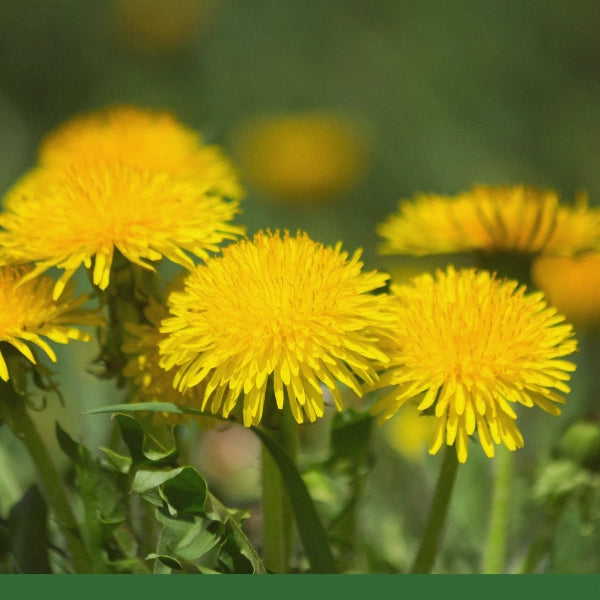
{"type": "Point", "coordinates": [29, 314]}
{"type": "Point", "coordinates": [151, 382]}
{"type": "Point", "coordinates": [281, 309]}
{"type": "Point", "coordinates": [142, 139]}
{"type": "Point", "coordinates": [572, 285]}
{"type": "Point", "coordinates": [80, 215]}
{"type": "Point", "coordinates": [303, 158]}
{"type": "Point", "coordinates": [487, 218]}
{"type": "Point", "coordinates": [468, 346]}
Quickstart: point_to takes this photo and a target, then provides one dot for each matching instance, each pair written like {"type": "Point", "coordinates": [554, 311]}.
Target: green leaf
{"type": "Point", "coordinates": [67, 444]}
{"type": "Point", "coordinates": [231, 518]}
{"type": "Point", "coordinates": [149, 407]}
{"type": "Point", "coordinates": [142, 446]}
{"type": "Point", "coordinates": [129, 566]}
{"type": "Point", "coordinates": [234, 561]}
{"type": "Point", "coordinates": [103, 492]}
{"type": "Point", "coordinates": [117, 461]}
{"type": "Point", "coordinates": [189, 540]}
{"type": "Point", "coordinates": [146, 479]}
{"type": "Point", "coordinates": [311, 530]}
{"type": "Point", "coordinates": [28, 533]}
{"type": "Point", "coordinates": [186, 492]}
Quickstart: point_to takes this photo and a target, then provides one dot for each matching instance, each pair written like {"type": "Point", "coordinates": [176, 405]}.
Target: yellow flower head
{"type": "Point", "coordinates": [486, 218]}
{"type": "Point", "coordinates": [29, 314]}
{"type": "Point", "coordinates": [143, 139]}
{"type": "Point", "coordinates": [468, 346]}
{"type": "Point", "coordinates": [572, 284]}
{"type": "Point", "coordinates": [151, 382]}
{"type": "Point", "coordinates": [123, 180]}
{"type": "Point", "coordinates": [303, 158]}
{"type": "Point", "coordinates": [281, 308]}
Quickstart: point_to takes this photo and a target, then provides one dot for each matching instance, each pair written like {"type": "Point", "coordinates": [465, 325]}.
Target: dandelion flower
{"type": "Point", "coordinates": [468, 347]}
{"type": "Point", "coordinates": [81, 215]}
{"type": "Point", "coordinates": [572, 285]}
{"type": "Point", "coordinates": [29, 314]}
{"type": "Point", "coordinates": [144, 139]}
{"type": "Point", "coordinates": [151, 383]}
{"type": "Point", "coordinates": [491, 219]}
{"type": "Point", "coordinates": [281, 309]}
{"type": "Point", "coordinates": [303, 158]}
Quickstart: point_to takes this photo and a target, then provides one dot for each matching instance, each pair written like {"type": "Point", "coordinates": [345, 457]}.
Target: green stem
{"type": "Point", "coordinates": [437, 516]}
{"type": "Point", "coordinates": [278, 522]}
{"type": "Point", "coordinates": [494, 557]}
{"type": "Point", "coordinates": [542, 545]}
{"type": "Point", "coordinates": [14, 412]}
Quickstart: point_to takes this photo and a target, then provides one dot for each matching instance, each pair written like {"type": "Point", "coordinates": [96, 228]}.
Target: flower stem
{"type": "Point", "coordinates": [437, 516]}
{"type": "Point", "coordinates": [14, 412]}
{"type": "Point", "coordinates": [542, 545]}
{"type": "Point", "coordinates": [278, 522]}
{"type": "Point", "coordinates": [495, 551]}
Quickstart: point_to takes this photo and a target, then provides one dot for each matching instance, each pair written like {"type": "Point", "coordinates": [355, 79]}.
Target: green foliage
{"type": "Point", "coordinates": [24, 546]}
{"type": "Point", "coordinates": [147, 502]}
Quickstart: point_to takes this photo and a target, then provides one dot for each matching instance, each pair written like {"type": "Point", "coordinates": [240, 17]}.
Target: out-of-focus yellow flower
{"type": "Point", "coordinates": [160, 25]}
{"type": "Point", "coordinates": [122, 179]}
{"type": "Point", "coordinates": [491, 219]}
{"type": "Point", "coordinates": [408, 431]}
{"type": "Point", "coordinates": [148, 140]}
{"type": "Point", "coordinates": [285, 310]}
{"type": "Point", "coordinates": [303, 158]}
{"type": "Point", "coordinates": [572, 284]}
{"type": "Point", "coordinates": [467, 346]}
{"type": "Point", "coordinates": [29, 314]}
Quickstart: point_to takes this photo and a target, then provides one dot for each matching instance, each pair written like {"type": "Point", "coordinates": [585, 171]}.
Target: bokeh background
{"type": "Point", "coordinates": [424, 95]}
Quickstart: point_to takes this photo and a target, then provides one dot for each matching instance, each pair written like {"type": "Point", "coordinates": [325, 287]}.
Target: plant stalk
{"type": "Point", "coordinates": [430, 543]}
{"type": "Point", "coordinates": [14, 412]}
{"type": "Point", "coordinates": [278, 519]}
{"type": "Point", "coordinates": [494, 557]}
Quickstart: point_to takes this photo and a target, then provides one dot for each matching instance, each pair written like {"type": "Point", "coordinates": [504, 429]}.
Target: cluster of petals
{"type": "Point", "coordinates": [151, 383]}
{"type": "Point", "coordinates": [30, 316]}
{"type": "Point", "coordinates": [467, 348]}
{"type": "Point", "coordinates": [515, 218]}
{"type": "Point", "coordinates": [282, 311]}
{"type": "Point", "coordinates": [120, 180]}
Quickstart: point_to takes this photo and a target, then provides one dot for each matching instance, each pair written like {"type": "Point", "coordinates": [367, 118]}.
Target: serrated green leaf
{"type": "Point", "coordinates": [146, 479]}
{"type": "Point", "coordinates": [233, 559]}
{"type": "Point", "coordinates": [187, 540]}
{"type": "Point", "coordinates": [117, 461]}
{"type": "Point", "coordinates": [186, 492]}
{"type": "Point", "coordinates": [129, 566]}
{"type": "Point", "coordinates": [231, 519]}
{"type": "Point", "coordinates": [102, 490]}
{"type": "Point", "coordinates": [164, 563]}
{"type": "Point", "coordinates": [28, 533]}
{"type": "Point", "coordinates": [143, 447]}
{"type": "Point", "coordinates": [69, 446]}
{"type": "Point", "coordinates": [198, 541]}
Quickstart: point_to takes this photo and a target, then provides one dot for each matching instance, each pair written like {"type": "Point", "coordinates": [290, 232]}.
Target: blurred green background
{"type": "Point", "coordinates": [453, 93]}
{"type": "Point", "coordinates": [450, 94]}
